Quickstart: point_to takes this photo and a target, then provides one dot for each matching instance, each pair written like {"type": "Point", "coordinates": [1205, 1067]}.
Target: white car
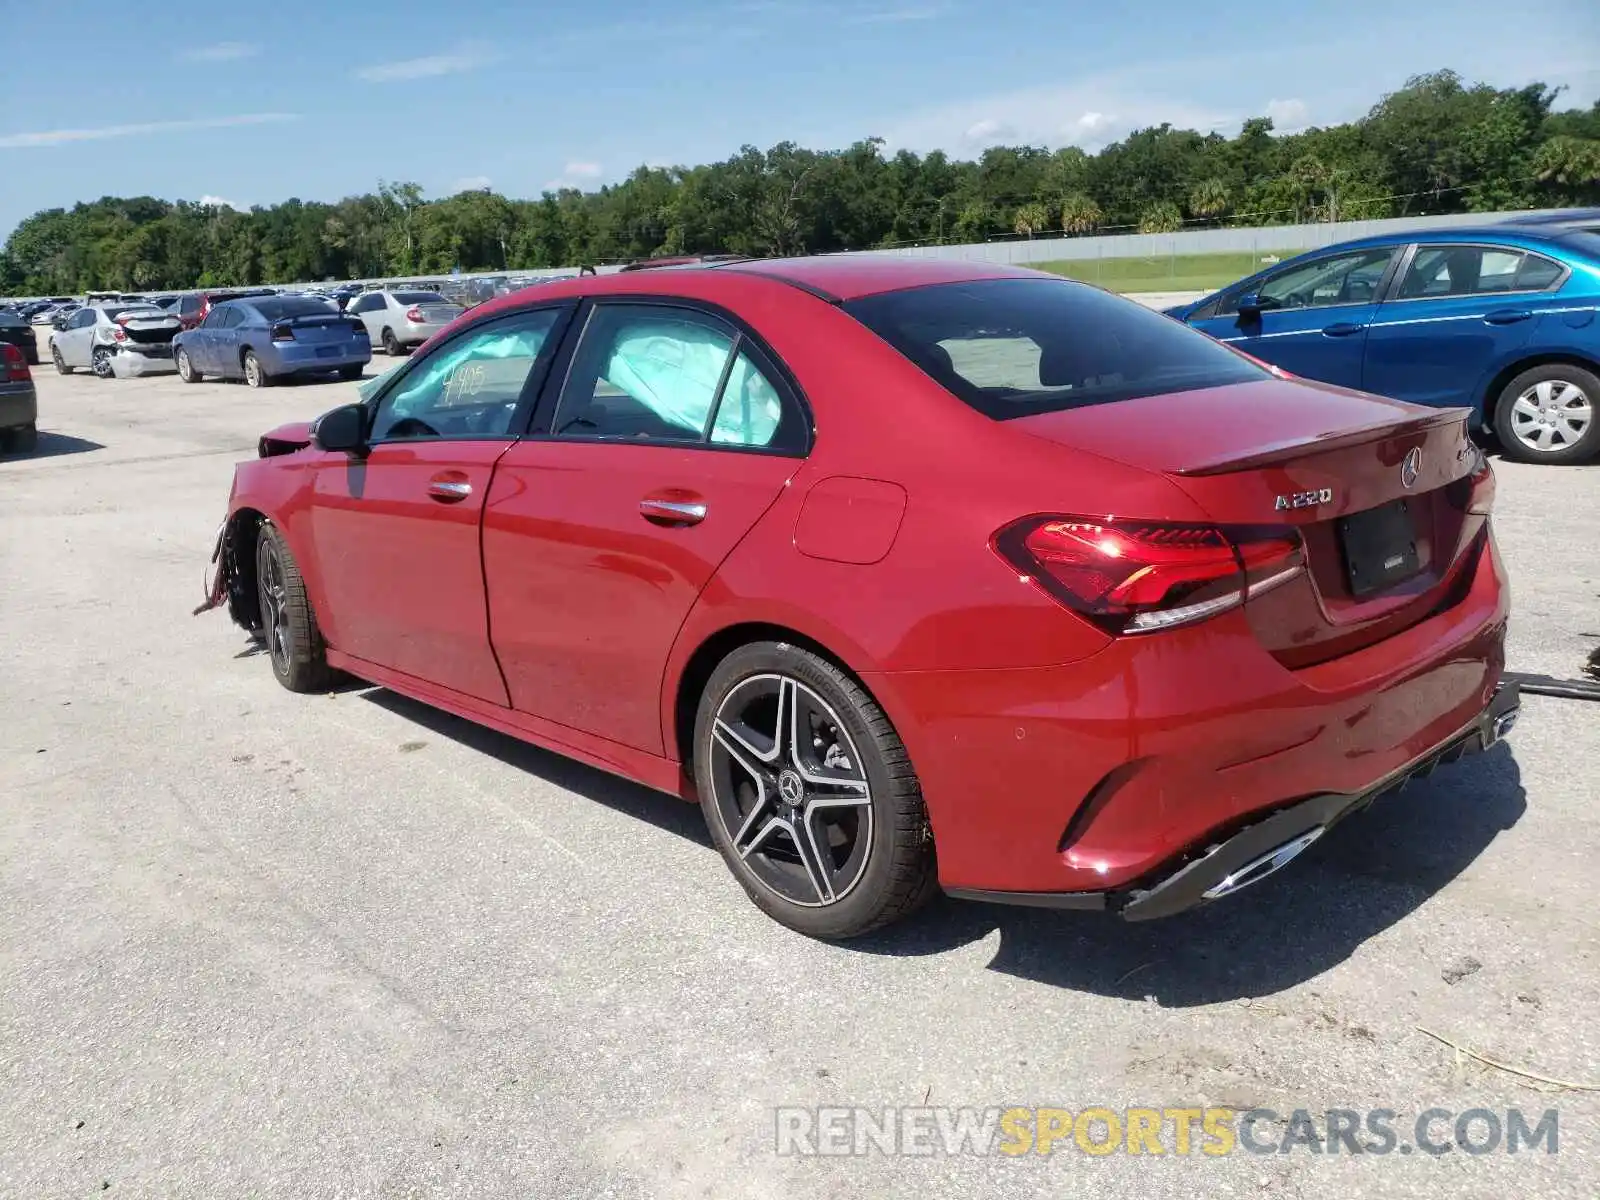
{"type": "Point", "coordinates": [120, 340]}
{"type": "Point", "coordinates": [398, 320]}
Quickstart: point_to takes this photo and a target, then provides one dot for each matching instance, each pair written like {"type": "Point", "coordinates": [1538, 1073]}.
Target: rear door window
{"type": "Point", "coordinates": [1445, 271]}
{"type": "Point", "coordinates": [1013, 347]}
{"type": "Point", "coordinates": [669, 374]}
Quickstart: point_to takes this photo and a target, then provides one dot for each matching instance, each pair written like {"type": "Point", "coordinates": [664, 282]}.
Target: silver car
{"type": "Point", "coordinates": [399, 320]}
{"type": "Point", "coordinates": [121, 340]}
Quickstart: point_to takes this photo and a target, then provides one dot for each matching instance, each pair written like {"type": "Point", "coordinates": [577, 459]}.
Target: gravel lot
{"type": "Point", "coordinates": [261, 944]}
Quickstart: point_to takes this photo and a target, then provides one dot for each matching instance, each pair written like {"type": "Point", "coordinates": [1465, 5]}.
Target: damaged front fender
{"type": "Point", "coordinates": [229, 578]}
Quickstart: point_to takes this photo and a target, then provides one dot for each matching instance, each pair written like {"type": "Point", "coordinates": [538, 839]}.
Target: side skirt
{"type": "Point", "coordinates": [662, 774]}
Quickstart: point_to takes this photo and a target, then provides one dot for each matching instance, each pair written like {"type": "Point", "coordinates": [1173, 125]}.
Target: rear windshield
{"type": "Point", "coordinates": [420, 298]}
{"type": "Point", "coordinates": [1013, 347]}
{"type": "Point", "coordinates": [283, 307]}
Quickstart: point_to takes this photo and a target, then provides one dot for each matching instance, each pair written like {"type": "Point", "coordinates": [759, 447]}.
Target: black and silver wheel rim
{"type": "Point", "coordinates": [391, 344]}
{"type": "Point", "coordinates": [790, 790]}
{"type": "Point", "coordinates": [55, 357]}
{"type": "Point", "coordinates": [183, 366]}
{"type": "Point", "coordinates": [274, 608]}
{"type": "Point", "coordinates": [102, 363]}
{"type": "Point", "coordinates": [1551, 416]}
{"type": "Point", "coordinates": [252, 370]}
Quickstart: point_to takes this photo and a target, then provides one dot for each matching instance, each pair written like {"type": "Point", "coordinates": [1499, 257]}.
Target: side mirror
{"type": "Point", "coordinates": [344, 428]}
{"type": "Point", "coordinates": [1250, 305]}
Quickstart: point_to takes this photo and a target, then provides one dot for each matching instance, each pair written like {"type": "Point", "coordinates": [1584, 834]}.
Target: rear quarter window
{"type": "Point", "coordinates": [1014, 347]}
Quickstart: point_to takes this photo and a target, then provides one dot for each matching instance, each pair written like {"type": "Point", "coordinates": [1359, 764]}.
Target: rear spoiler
{"type": "Point", "coordinates": [1294, 448]}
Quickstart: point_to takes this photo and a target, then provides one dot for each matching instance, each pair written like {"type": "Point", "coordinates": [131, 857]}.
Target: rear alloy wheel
{"type": "Point", "coordinates": [254, 373]}
{"type": "Point", "coordinates": [100, 360]}
{"type": "Point", "coordinates": [186, 371]}
{"type": "Point", "coordinates": [391, 344]}
{"type": "Point", "coordinates": [809, 794]}
{"type": "Point", "coordinates": [288, 626]}
{"type": "Point", "coordinates": [1548, 415]}
{"type": "Point", "coordinates": [61, 363]}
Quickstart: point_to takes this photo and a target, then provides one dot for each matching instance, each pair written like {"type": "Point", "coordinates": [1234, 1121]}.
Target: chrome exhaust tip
{"type": "Point", "coordinates": [1258, 869]}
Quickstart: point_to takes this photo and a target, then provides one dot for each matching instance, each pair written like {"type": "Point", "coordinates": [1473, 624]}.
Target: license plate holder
{"type": "Point", "coordinates": [1380, 547]}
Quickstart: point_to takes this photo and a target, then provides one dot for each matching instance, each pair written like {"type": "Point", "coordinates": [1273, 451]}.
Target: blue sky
{"type": "Point", "coordinates": [254, 103]}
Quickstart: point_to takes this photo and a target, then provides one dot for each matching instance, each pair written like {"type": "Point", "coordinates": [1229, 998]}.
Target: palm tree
{"type": "Point", "coordinates": [1571, 161]}
{"type": "Point", "coordinates": [1031, 219]}
{"type": "Point", "coordinates": [1080, 214]}
{"type": "Point", "coordinates": [1161, 217]}
{"type": "Point", "coordinates": [1210, 200]}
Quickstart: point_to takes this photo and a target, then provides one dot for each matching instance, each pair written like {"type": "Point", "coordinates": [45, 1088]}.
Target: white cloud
{"type": "Point", "coordinates": [470, 183]}
{"type": "Point", "coordinates": [1109, 107]}
{"type": "Point", "coordinates": [56, 137]}
{"type": "Point", "coordinates": [211, 201]}
{"type": "Point", "coordinates": [463, 58]}
{"type": "Point", "coordinates": [1288, 116]}
{"type": "Point", "coordinates": [897, 16]}
{"type": "Point", "coordinates": [581, 170]}
{"type": "Point", "coordinates": [221, 52]}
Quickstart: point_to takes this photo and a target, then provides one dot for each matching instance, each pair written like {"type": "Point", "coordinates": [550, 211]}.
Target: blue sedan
{"type": "Point", "coordinates": [268, 338]}
{"type": "Point", "coordinates": [1500, 320]}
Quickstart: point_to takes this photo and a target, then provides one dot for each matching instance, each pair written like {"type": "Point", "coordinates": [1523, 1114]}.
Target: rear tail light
{"type": "Point", "coordinates": [414, 315]}
{"type": "Point", "coordinates": [282, 333]}
{"type": "Point", "coordinates": [13, 364]}
{"type": "Point", "coordinates": [119, 334]}
{"type": "Point", "coordinates": [357, 329]}
{"type": "Point", "coordinates": [1142, 576]}
{"type": "Point", "coordinates": [1481, 498]}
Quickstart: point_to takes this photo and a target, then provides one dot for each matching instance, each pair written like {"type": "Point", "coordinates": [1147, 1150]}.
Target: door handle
{"type": "Point", "coordinates": [451, 487]}
{"type": "Point", "coordinates": [1342, 329]}
{"type": "Point", "coordinates": [1507, 316]}
{"type": "Point", "coordinates": [662, 510]}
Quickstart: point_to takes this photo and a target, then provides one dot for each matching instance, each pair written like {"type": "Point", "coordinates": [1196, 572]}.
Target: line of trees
{"type": "Point", "coordinates": [1438, 145]}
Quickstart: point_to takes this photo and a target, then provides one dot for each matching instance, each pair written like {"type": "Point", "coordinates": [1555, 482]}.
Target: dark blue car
{"type": "Point", "coordinates": [1500, 319]}
{"type": "Point", "coordinates": [267, 338]}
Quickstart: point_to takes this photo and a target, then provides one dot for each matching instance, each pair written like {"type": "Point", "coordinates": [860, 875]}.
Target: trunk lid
{"type": "Point", "coordinates": [317, 328]}
{"type": "Point", "coordinates": [1376, 489]}
{"type": "Point", "coordinates": [440, 314]}
{"type": "Point", "coordinates": [148, 327]}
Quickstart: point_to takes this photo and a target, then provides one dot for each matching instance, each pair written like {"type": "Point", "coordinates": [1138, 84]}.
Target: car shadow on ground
{"type": "Point", "coordinates": [663, 811]}
{"type": "Point", "coordinates": [53, 445]}
{"type": "Point", "coordinates": [1367, 874]}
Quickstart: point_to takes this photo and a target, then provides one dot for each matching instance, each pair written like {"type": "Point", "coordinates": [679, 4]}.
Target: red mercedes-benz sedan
{"type": "Point", "coordinates": [912, 573]}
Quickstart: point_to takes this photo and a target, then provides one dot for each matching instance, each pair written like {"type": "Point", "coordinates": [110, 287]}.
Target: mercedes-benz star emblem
{"type": "Point", "coordinates": [1410, 469]}
{"type": "Point", "coordinates": [790, 787]}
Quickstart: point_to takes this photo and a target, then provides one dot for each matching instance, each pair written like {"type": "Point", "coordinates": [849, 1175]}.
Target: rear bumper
{"type": "Point", "coordinates": [291, 360]}
{"type": "Point", "coordinates": [19, 405]}
{"type": "Point", "coordinates": [1266, 846]}
{"type": "Point", "coordinates": [1092, 778]}
{"type": "Point", "coordinates": [409, 334]}
{"type": "Point", "coordinates": [131, 364]}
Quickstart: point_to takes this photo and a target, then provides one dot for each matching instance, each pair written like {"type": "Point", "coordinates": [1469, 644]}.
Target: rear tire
{"type": "Point", "coordinates": [100, 362]}
{"type": "Point", "coordinates": [61, 363]}
{"type": "Point", "coordinates": [1557, 404]}
{"type": "Point", "coordinates": [391, 344]}
{"type": "Point", "coordinates": [186, 371]}
{"type": "Point", "coordinates": [254, 373]}
{"type": "Point", "coordinates": [288, 624]}
{"type": "Point", "coordinates": [840, 778]}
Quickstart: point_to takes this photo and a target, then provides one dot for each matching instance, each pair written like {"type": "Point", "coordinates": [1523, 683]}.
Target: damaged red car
{"type": "Point", "coordinates": [913, 574]}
